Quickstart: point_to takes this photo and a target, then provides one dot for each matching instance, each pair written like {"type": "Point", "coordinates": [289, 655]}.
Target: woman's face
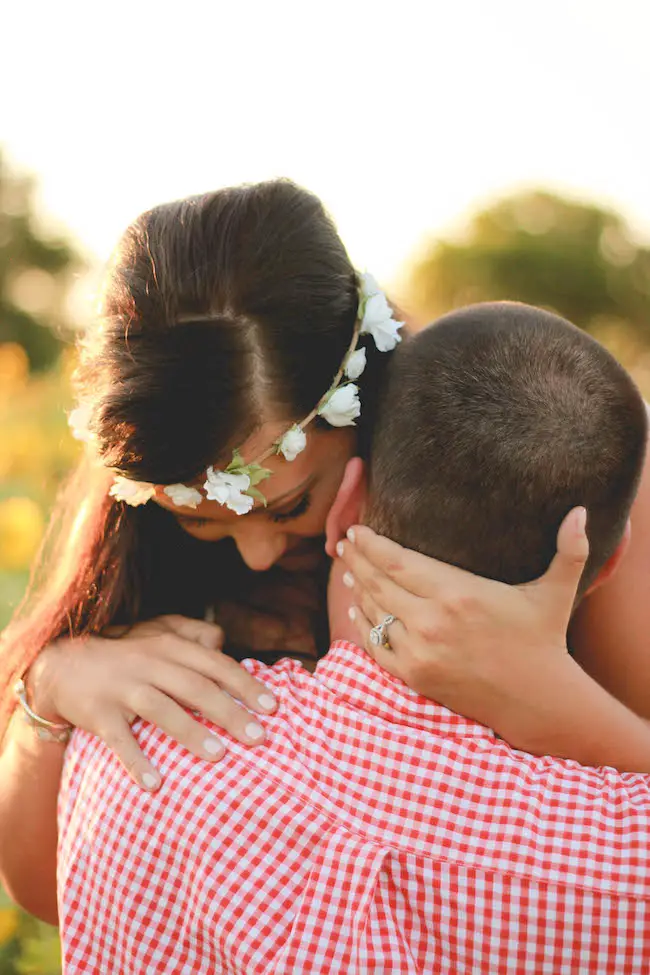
{"type": "Point", "coordinates": [299, 495]}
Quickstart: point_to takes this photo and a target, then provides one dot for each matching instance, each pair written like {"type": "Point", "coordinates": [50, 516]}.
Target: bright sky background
{"type": "Point", "coordinates": [402, 116]}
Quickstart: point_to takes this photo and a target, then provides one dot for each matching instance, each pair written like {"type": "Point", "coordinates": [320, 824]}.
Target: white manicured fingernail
{"type": "Point", "coordinates": [350, 535]}
{"type": "Point", "coordinates": [213, 746]}
{"type": "Point", "coordinates": [581, 520]}
{"type": "Point", "coordinates": [254, 731]}
{"type": "Point", "coordinates": [348, 580]}
{"type": "Point", "coordinates": [340, 548]}
{"type": "Point", "coordinates": [352, 613]}
{"type": "Point", "coordinates": [149, 780]}
{"type": "Point", "coordinates": [266, 701]}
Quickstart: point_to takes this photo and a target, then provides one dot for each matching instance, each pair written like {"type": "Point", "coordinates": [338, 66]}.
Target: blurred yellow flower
{"type": "Point", "coordinates": [14, 367]}
{"type": "Point", "coordinates": [8, 923]}
{"type": "Point", "coordinates": [21, 530]}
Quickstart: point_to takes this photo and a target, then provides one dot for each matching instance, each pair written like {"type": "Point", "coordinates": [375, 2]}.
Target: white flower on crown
{"type": "Point", "coordinates": [79, 422]}
{"type": "Point", "coordinates": [183, 495]}
{"type": "Point", "coordinates": [355, 364]}
{"type": "Point", "coordinates": [293, 442]}
{"type": "Point", "coordinates": [377, 317]}
{"type": "Point", "coordinates": [228, 489]}
{"type": "Point", "coordinates": [133, 493]}
{"type": "Point", "coordinates": [343, 407]}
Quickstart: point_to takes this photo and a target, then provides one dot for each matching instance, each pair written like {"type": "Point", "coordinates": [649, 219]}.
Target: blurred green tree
{"type": "Point", "coordinates": [35, 273]}
{"type": "Point", "coordinates": [579, 259]}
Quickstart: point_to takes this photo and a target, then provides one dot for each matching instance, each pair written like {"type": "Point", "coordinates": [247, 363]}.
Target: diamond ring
{"type": "Point", "coordinates": [379, 633]}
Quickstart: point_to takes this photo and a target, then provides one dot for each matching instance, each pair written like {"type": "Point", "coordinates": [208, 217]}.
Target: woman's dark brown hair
{"type": "Point", "coordinates": [218, 312]}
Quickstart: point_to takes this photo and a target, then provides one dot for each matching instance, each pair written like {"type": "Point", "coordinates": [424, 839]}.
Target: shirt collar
{"type": "Point", "coordinates": [354, 677]}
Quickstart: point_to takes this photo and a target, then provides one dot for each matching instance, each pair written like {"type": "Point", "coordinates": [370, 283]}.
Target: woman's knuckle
{"type": "Point", "coordinates": [231, 720]}
{"type": "Point", "coordinates": [394, 565]}
{"type": "Point", "coordinates": [372, 586]}
{"type": "Point", "coordinates": [368, 603]}
{"type": "Point", "coordinates": [428, 629]}
{"type": "Point", "coordinates": [132, 763]}
{"type": "Point", "coordinates": [220, 668]}
{"type": "Point", "coordinates": [115, 738]}
{"type": "Point", "coordinates": [196, 688]}
{"type": "Point", "coordinates": [167, 642]}
{"type": "Point", "coordinates": [143, 699]}
{"type": "Point", "coordinates": [459, 604]}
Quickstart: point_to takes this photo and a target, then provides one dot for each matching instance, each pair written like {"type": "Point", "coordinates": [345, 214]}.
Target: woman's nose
{"type": "Point", "coordinates": [259, 548]}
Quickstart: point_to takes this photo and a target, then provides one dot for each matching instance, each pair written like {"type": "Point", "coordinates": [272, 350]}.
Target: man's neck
{"type": "Point", "coordinates": [339, 600]}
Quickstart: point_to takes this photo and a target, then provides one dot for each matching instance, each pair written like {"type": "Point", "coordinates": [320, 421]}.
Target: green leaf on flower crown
{"type": "Point", "coordinates": [252, 492]}
{"type": "Point", "coordinates": [236, 464]}
{"type": "Point", "coordinates": [257, 473]}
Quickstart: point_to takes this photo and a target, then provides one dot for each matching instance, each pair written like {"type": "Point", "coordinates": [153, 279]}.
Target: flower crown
{"type": "Point", "coordinates": [236, 486]}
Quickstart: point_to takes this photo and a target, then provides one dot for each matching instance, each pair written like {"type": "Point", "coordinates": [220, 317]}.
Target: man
{"type": "Point", "coordinates": [376, 831]}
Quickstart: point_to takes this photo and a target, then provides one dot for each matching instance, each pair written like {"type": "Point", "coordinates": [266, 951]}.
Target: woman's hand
{"type": "Point", "coordinates": [486, 650]}
{"type": "Point", "coordinates": [154, 671]}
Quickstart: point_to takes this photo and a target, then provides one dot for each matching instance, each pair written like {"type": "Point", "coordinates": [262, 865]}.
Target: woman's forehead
{"type": "Point", "coordinates": [288, 478]}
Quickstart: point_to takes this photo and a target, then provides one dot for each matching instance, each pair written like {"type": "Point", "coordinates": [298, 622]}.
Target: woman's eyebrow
{"type": "Point", "coordinates": [294, 492]}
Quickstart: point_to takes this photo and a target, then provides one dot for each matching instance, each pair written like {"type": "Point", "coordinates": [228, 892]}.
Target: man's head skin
{"type": "Point", "coordinates": [496, 421]}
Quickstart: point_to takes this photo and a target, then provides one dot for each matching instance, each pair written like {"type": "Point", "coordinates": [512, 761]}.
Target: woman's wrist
{"type": "Point", "coordinates": [40, 684]}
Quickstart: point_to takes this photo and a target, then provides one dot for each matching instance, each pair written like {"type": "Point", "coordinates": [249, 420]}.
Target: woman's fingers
{"type": "Point", "coordinates": [115, 732]}
{"type": "Point", "coordinates": [364, 579]}
{"type": "Point", "coordinates": [227, 674]}
{"type": "Point", "coordinates": [155, 698]}
{"type": "Point", "coordinates": [156, 707]}
{"type": "Point", "coordinates": [414, 573]}
{"type": "Point", "coordinates": [559, 585]}
{"type": "Point", "coordinates": [385, 658]}
{"type": "Point", "coordinates": [223, 671]}
{"type": "Point", "coordinates": [384, 558]}
{"type": "Point", "coordinates": [209, 635]}
{"type": "Point", "coordinates": [366, 613]}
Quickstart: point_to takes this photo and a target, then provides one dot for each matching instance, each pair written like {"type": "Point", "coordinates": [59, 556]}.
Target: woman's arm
{"type": "Point", "coordinates": [100, 685]}
{"type": "Point", "coordinates": [610, 631]}
{"type": "Point", "coordinates": [30, 771]}
{"type": "Point", "coordinates": [493, 652]}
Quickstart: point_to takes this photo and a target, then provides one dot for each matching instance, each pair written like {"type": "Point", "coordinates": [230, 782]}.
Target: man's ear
{"type": "Point", "coordinates": [348, 504]}
{"type": "Point", "coordinates": [613, 562]}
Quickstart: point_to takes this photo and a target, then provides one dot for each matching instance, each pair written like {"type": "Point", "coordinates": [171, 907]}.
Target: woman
{"type": "Point", "coordinates": [231, 330]}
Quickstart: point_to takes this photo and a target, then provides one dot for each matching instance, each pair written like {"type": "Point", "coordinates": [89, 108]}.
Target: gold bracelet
{"type": "Point", "coordinates": [45, 730]}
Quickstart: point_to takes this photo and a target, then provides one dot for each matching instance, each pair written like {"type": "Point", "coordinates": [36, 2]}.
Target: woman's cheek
{"type": "Point", "coordinates": [313, 523]}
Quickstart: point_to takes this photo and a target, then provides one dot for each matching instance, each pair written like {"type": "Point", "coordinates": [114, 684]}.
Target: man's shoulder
{"type": "Point", "coordinates": [287, 679]}
{"type": "Point", "coordinates": [284, 671]}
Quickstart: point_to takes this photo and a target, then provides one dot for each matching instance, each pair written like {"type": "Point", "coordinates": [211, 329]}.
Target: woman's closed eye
{"type": "Point", "coordinates": [298, 509]}
{"type": "Point", "coordinates": [193, 522]}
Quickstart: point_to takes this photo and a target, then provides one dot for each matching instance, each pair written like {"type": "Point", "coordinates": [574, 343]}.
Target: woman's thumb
{"type": "Point", "coordinates": [561, 580]}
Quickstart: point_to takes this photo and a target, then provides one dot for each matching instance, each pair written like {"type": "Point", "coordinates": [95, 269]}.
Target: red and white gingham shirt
{"type": "Point", "coordinates": [373, 832]}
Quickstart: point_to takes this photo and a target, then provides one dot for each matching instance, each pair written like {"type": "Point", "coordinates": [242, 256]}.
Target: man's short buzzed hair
{"type": "Point", "coordinates": [496, 421]}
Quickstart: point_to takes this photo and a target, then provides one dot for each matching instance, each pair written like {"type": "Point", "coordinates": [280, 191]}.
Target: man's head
{"type": "Point", "coordinates": [496, 421]}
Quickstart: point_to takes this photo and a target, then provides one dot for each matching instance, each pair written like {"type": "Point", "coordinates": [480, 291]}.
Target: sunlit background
{"type": "Point", "coordinates": [467, 150]}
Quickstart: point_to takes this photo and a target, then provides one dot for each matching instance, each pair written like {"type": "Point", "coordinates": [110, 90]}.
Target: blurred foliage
{"type": "Point", "coordinates": [36, 451]}
{"type": "Point", "coordinates": [575, 258]}
{"type": "Point", "coordinates": [27, 946]}
{"type": "Point", "coordinates": [35, 273]}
